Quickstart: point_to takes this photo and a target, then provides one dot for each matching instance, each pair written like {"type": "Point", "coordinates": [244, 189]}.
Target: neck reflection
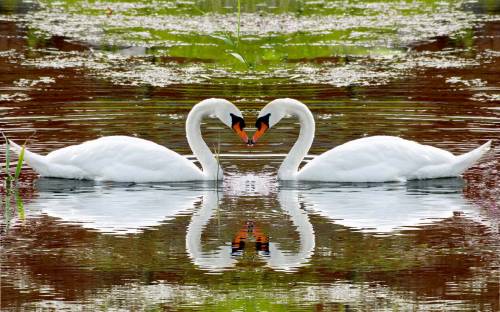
{"type": "Point", "coordinates": [251, 236]}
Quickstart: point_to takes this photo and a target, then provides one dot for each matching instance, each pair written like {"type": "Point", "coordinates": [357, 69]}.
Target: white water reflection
{"type": "Point", "coordinates": [212, 260]}
{"type": "Point", "coordinates": [284, 260]}
{"type": "Point", "coordinates": [388, 208]}
{"type": "Point", "coordinates": [112, 208]}
{"type": "Point", "coordinates": [223, 257]}
{"type": "Point", "coordinates": [119, 209]}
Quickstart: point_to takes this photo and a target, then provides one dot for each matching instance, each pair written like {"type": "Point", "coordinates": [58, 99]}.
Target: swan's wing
{"type": "Point", "coordinates": [374, 159]}
{"type": "Point", "coordinates": [122, 158]}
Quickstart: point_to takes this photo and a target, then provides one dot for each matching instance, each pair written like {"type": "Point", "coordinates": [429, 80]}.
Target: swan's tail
{"type": "Point", "coordinates": [465, 161]}
{"type": "Point", "coordinates": [35, 161]}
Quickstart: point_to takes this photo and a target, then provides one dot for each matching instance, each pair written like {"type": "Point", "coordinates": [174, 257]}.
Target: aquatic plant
{"type": "Point", "coordinates": [340, 43]}
{"type": "Point", "coordinates": [9, 178]}
{"type": "Point", "coordinates": [11, 185]}
{"type": "Point", "coordinates": [233, 45]}
{"type": "Point", "coordinates": [239, 22]}
{"type": "Point", "coordinates": [217, 158]}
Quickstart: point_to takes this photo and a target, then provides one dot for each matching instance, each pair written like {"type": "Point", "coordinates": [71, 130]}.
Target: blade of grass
{"type": "Point", "coordinates": [226, 38]}
{"type": "Point", "coordinates": [239, 23]}
{"type": "Point", "coordinates": [7, 211]}
{"type": "Point", "coordinates": [20, 205]}
{"type": "Point", "coordinates": [239, 57]}
{"type": "Point", "coordinates": [19, 164]}
{"type": "Point", "coordinates": [198, 9]}
{"type": "Point", "coordinates": [7, 159]}
{"type": "Point", "coordinates": [217, 158]}
{"type": "Point", "coordinates": [216, 154]}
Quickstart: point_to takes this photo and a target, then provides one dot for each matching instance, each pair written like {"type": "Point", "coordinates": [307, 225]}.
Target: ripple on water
{"type": "Point", "coordinates": [77, 74]}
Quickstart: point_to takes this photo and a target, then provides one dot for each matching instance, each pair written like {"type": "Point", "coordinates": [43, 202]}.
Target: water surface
{"type": "Point", "coordinates": [423, 70]}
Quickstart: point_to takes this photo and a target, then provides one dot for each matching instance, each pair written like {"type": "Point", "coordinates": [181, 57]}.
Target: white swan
{"type": "Point", "coordinates": [130, 159]}
{"type": "Point", "coordinates": [370, 159]}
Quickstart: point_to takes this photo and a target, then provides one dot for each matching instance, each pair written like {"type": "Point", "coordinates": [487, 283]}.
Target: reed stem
{"type": "Point", "coordinates": [239, 23]}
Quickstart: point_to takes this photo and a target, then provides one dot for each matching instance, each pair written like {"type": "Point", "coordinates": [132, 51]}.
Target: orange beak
{"type": "Point", "coordinates": [260, 132]}
{"type": "Point", "coordinates": [240, 132]}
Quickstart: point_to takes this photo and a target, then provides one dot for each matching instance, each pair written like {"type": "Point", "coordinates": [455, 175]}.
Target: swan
{"type": "Point", "coordinates": [369, 159]}
{"type": "Point", "coordinates": [130, 159]}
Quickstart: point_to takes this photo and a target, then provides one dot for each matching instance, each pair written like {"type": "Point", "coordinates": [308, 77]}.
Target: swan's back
{"type": "Point", "coordinates": [378, 159]}
{"type": "Point", "coordinates": [121, 158]}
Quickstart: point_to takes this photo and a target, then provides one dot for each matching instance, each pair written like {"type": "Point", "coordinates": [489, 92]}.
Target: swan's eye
{"type": "Point", "coordinates": [236, 119]}
{"type": "Point", "coordinates": [262, 120]}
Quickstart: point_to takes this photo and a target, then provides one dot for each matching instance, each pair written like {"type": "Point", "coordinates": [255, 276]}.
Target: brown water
{"type": "Point", "coordinates": [422, 245]}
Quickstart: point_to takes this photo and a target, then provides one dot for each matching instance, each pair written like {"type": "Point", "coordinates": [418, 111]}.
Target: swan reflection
{"type": "Point", "coordinates": [119, 209]}
{"type": "Point", "coordinates": [275, 257]}
{"type": "Point", "coordinates": [217, 260]}
{"type": "Point", "coordinates": [113, 208]}
{"type": "Point", "coordinates": [386, 208]}
{"type": "Point", "coordinates": [285, 260]}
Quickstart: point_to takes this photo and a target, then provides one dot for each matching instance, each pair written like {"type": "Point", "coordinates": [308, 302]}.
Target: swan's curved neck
{"type": "Point", "coordinates": [290, 166]}
{"type": "Point", "coordinates": [209, 165]}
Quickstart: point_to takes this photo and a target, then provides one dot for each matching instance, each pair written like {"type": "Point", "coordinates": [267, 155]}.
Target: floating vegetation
{"type": "Point", "coordinates": [468, 83]}
{"type": "Point", "coordinates": [29, 83]}
{"type": "Point", "coordinates": [485, 97]}
{"type": "Point", "coordinates": [15, 97]}
{"type": "Point", "coordinates": [342, 76]}
{"type": "Point", "coordinates": [139, 70]}
{"type": "Point", "coordinates": [338, 43]}
{"type": "Point", "coordinates": [415, 21]}
{"type": "Point", "coordinates": [439, 60]}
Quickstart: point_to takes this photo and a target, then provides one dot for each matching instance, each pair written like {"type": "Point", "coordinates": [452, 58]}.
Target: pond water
{"type": "Point", "coordinates": [427, 71]}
